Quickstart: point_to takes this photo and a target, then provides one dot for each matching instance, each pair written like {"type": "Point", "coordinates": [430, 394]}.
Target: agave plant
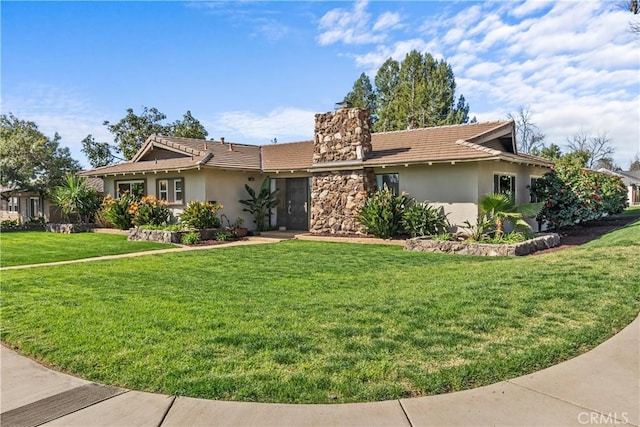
{"type": "Point", "coordinates": [500, 208]}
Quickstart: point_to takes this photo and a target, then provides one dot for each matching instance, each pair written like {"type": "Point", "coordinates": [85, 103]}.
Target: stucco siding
{"type": "Point", "coordinates": [452, 186]}
{"type": "Point", "coordinates": [227, 188]}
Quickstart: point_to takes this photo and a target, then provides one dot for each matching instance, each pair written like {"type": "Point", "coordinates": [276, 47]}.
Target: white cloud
{"type": "Point", "coordinates": [61, 110]}
{"type": "Point", "coordinates": [285, 124]}
{"type": "Point", "coordinates": [353, 26]}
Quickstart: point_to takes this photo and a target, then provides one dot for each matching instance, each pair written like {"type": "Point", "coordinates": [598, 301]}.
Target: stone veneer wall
{"type": "Point", "coordinates": [336, 200]}
{"type": "Point", "coordinates": [342, 136]}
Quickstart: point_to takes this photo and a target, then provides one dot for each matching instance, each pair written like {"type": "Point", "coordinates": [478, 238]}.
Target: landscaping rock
{"type": "Point", "coordinates": [70, 228]}
{"type": "Point", "coordinates": [426, 244]}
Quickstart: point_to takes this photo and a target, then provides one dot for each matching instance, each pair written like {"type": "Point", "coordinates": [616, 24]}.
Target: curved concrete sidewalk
{"type": "Point", "coordinates": [601, 387]}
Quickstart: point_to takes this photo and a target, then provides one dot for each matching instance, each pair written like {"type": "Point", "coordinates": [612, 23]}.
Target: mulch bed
{"type": "Point", "coordinates": [580, 234]}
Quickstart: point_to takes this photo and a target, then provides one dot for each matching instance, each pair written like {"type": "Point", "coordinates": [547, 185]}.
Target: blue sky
{"type": "Point", "coordinates": [252, 71]}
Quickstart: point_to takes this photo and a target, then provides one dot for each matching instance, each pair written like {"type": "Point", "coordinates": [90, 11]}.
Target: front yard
{"type": "Point", "coordinates": [38, 247]}
{"type": "Point", "coordinates": [321, 322]}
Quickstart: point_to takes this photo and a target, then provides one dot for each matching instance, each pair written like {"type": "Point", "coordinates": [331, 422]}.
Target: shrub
{"type": "Point", "coordinates": [77, 200]}
{"type": "Point", "coordinates": [8, 223]}
{"type": "Point", "coordinates": [190, 238]}
{"type": "Point", "coordinates": [382, 213]}
{"type": "Point", "coordinates": [201, 215]}
{"type": "Point", "coordinates": [150, 210]}
{"type": "Point", "coordinates": [223, 236]}
{"type": "Point", "coordinates": [421, 219]}
{"type": "Point", "coordinates": [259, 204]}
{"type": "Point", "coordinates": [572, 194]}
{"type": "Point", "coordinates": [117, 211]}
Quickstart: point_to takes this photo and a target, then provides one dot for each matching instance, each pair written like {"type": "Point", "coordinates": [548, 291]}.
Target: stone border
{"type": "Point", "coordinates": [22, 227]}
{"type": "Point", "coordinates": [163, 236]}
{"type": "Point", "coordinates": [425, 244]}
{"type": "Point", "coordinates": [70, 228]}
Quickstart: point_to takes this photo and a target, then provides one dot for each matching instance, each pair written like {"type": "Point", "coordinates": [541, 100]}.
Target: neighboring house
{"type": "Point", "coordinates": [631, 180]}
{"type": "Point", "coordinates": [23, 206]}
{"type": "Point", "coordinates": [324, 182]}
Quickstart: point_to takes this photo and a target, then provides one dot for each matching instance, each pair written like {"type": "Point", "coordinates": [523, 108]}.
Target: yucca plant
{"type": "Point", "coordinates": [76, 199]}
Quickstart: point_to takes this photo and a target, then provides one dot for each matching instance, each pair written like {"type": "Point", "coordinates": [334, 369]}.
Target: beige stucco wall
{"type": "Point", "coordinates": [452, 186]}
{"type": "Point", "coordinates": [523, 174]}
{"type": "Point", "coordinates": [224, 186]}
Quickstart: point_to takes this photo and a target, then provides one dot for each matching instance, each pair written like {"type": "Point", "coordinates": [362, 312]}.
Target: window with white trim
{"type": "Point", "coordinates": [391, 180]}
{"type": "Point", "coordinates": [505, 184]}
{"type": "Point", "coordinates": [135, 187]}
{"type": "Point", "coordinates": [171, 190]}
{"type": "Point", "coordinates": [13, 204]}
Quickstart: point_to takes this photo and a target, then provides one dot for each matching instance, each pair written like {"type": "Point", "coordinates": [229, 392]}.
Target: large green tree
{"type": "Point", "coordinates": [130, 133]}
{"type": "Point", "coordinates": [188, 127]}
{"type": "Point", "coordinates": [417, 92]}
{"type": "Point", "coordinates": [29, 160]}
{"type": "Point", "coordinates": [363, 96]}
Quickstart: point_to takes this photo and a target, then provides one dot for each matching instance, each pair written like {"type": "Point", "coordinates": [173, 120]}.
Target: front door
{"type": "Point", "coordinates": [297, 203]}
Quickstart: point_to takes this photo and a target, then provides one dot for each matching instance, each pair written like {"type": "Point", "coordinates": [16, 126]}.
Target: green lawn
{"type": "Point", "coordinates": [37, 247]}
{"type": "Point", "coordinates": [632, 210]}
{"type": "Point", "coordinates": [301, 321]}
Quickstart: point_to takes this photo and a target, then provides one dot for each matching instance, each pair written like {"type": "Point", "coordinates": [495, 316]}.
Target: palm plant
{"type": "Point", "coordinates": [500, 208]}
{"type": "Point", "coordinates": [77, 200]}
{"type": "Point", "coordinates": [259, 204]}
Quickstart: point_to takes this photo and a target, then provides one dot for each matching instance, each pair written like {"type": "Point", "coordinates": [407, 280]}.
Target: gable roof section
{"type": "Point", "coordinates": [442, 144]}
{"type": "Point", "coordinates": [437, 144]}
{"type": "Point", "coordinates": [190, 154]}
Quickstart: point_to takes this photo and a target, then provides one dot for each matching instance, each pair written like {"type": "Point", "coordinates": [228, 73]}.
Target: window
{"type": "Point", "coordinates": [163, 189]}
{"type": "Point", "coordinates": [171, 190]}
{"type": "Point", "coordinates": [505, 184]}
{"type": "Point", "coordinates": [34, 207]}
{"type": "Point", "coordinates": [177, 191]}
{"type": "Point", "coordinates": [135, 187]}
{"type": "Point", "coordinates": [534, 198]}
{"type": "Point", "coordinates": [391, 180]}
{"type": "Point", "coordinates": [13, 204]}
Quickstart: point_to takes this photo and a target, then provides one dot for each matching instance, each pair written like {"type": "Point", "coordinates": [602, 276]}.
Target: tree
{"type": "Point", "coordinates": [132, 130]}
{"type": "Point", "coordinates": [386, 81]}
{"type": "Point", "coordinates": [362, 95]}
{"type": "Point", "coordinates": [607, 163]}
{"type": "Point", "coordinates": [635, 164]}
{"type": "Point", "coordinates": [528, 136]}
{"type": "Point", "coordinates": [77, 200]}
{"type": "Point", "coordinates": [632, 6]}
{"type": "Point", "coordinates": [29, 160]}
{"type": "Point", "coordinates": [598, 147]}
{"type": "Point", "coordinates": [551, 152]}
{"type": "Point", "coordinates": [98, 153]}
{"type": "Point", "coordinates": [188, 127]}
{"type": "Point", "coordinates": [418, 92]}
{"type": "Point", "coordinates": [500, 208]}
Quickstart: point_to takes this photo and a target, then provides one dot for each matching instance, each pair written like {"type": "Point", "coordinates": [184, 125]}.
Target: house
{"type": "Point", "coordinates": [324, 181]}
{"type": "Point", "coordinates": [28, 205]}
{"type": "Point", "coordinates": [631, 180]}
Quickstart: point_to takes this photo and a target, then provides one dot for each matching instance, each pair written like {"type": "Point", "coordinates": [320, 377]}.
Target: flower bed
{"type": "Point", "coordinates": [425, 244]}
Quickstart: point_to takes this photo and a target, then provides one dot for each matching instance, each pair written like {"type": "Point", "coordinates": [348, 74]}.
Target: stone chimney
{"type": "Point", "coordinates": [342, 135]}
{"type": "Point", "coordinates": [340, 182]}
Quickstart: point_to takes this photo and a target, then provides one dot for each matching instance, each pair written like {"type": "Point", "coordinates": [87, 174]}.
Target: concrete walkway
{"type": "Point", "coordinates": [601, 387]}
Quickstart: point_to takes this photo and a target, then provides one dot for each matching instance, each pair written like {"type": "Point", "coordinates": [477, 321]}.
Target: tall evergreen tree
{"type": "Point", "coordinates": [362, 96]}
{"type": "Point", "coordinates": [386, 82]}
{"type": "Point", "coordinates": [417, 92]}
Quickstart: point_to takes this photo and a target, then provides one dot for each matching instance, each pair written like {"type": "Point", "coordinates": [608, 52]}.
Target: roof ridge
{"type": "Point", "coordinates": [497, 122]}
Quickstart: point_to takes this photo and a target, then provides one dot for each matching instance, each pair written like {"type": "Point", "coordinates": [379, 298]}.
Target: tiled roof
{"type": "Point", "coordinates": [436, 144]}
{"type": "Point", "coordinates": [196, 153]}
{"type": "Point", "coordinates": [288, 156]}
